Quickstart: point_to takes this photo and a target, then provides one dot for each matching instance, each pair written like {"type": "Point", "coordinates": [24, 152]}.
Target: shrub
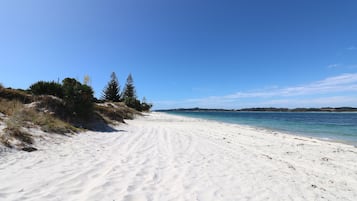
{"type": "Point", "coordinates": [12, 94]}
{"type": "Point", "coordinates": [133, 103]}
{"type": "Point", "coordinates": [146, 106]}
{"type": "Point", "coordinates": [78, 98]}
{"type": "Point", "coordinates": [47, 88]}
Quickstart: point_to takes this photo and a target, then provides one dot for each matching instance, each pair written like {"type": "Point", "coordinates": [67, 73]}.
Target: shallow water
{"type": "Point", "coordinates": [323, 125]}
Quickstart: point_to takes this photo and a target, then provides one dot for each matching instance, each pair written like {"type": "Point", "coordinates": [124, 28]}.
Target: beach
{"type": "Point", "coordinates": [165, 157]}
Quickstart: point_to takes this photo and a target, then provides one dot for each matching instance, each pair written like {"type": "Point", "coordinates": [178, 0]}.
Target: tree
{"type": "Point", "coordinates": [129, 94]}
{"type": "Point", "coordinates": [112, 91]}
{"type": "Point", "coordinates": [129, 90]}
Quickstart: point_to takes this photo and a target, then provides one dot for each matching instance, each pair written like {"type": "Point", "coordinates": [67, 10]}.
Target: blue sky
{"type": "Point", "coordinates": [197, 53]}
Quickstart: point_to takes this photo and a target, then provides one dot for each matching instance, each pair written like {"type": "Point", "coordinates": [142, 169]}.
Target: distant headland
{"type": "Point", "coordinates": [264, 109]}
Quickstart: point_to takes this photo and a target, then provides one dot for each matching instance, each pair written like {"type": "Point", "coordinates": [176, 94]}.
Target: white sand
{"type": "Point", "coordinates": [164, 157]}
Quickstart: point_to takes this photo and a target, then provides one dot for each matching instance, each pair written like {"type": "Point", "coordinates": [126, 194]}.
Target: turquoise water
{"type": "Point", "coordinates": [328, 126]}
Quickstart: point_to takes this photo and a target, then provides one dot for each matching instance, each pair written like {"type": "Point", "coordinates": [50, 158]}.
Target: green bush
{"type": "Point", "coordinates": [78, 98]}
{"type": "Point", "coordinates": [47, 88]}
{"type": "Point", "coordinates": [133, 103]}
{"type": "Point", "coordinates": [146, 106]}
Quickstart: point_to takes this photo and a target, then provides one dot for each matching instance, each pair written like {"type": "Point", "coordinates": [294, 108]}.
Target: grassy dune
{"type": "Point", "coordinates": [21, 112]}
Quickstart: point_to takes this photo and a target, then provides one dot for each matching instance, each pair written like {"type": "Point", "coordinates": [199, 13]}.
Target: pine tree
{"type": "Point", "coordinates": [129, 95]}
{"type": "Point", "coordinates": [112, 91]}
{"type": "Point", "coordinates": [129, 90]}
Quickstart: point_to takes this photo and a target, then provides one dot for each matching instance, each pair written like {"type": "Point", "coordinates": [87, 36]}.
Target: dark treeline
{"type": "Point", "coordinates": [269, 109]}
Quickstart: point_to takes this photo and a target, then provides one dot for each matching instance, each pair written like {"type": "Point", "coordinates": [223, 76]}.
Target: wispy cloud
{"type": "Point", "coordinates": [352, 48]}
{"type": "Point", "coordinates": [353, 66]}
{"type": "Point", "coordinates": [286, 96]}
{"type": "Point", "coordinates": [341, 83]}
{"type": "Point", "coordinates": [334, 66]}
{"type": "Point", "coordinates": [340, 66]}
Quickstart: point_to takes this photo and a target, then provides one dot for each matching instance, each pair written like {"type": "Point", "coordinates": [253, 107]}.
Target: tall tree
{"type": "Point", "coordinates": [129, 90]}
{"type": "Point", "coordinates": [112, 91]}
{"type": "Point", "coordinates": [129, 94]}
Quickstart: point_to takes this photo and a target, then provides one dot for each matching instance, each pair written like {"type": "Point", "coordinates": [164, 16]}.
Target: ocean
{"type": "Point", "coordinates": [322, 125]}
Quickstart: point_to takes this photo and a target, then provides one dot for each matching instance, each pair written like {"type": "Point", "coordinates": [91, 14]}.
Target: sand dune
{"type": "Point", "coordinates": [164, 157]}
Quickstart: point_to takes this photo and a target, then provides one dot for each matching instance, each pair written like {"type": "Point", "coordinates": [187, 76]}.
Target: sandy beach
{"type": "Point", "coordinates": [165, 157]}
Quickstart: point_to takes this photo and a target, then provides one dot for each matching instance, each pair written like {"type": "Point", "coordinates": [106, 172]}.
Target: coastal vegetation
{"type": "Point", "coordinates": [112, 93]}
{"type": "Point", "coordinates": [63, 108]}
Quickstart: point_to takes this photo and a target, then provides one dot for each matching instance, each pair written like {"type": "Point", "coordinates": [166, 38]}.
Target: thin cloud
{"type": "Point", "coordinates": [334, 66]}
{"type": "Point", "coordinates": [338, 84]}
{"type": "Point", "coordinates": [352, 48]}
{"type": "Point", "coordinates": [341, 66]}
{"type": "Point", "coordinates": [341, 83]}
{"type": "Point", "coordinates": [353, 66]}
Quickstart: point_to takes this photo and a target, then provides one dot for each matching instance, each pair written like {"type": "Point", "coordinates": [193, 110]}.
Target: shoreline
{"type": "Point", "coordinates": [296, 133]}
{"type": "Point", "coordinates": [168, 157]}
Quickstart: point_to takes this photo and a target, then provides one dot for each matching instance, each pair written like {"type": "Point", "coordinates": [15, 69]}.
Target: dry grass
{"type": "Point", "coordinates": [14, 130]}
{"type": "Point", "coordinates": [51, 104]}
{"type": "Point", "coordinates": [116, 111]}
{"type": "Point", "coordinates": [19, 134]}
{"type": "Point", "coordinates": [9, 107]}
{"type": "Point", "coordinates": [46, 122]}
{"type": "Point", "coordinates": [109, 114]}
{"type": "Point", "coordinates": [5, 141]}
{"type": "Point", "coordinates": [27, 118]}
{"type": "Point", "coordinates": [12, 94]}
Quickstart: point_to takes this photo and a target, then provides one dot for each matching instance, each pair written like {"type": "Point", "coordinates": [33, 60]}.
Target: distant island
{"type": "Point", "coordinates": [265, 109]}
